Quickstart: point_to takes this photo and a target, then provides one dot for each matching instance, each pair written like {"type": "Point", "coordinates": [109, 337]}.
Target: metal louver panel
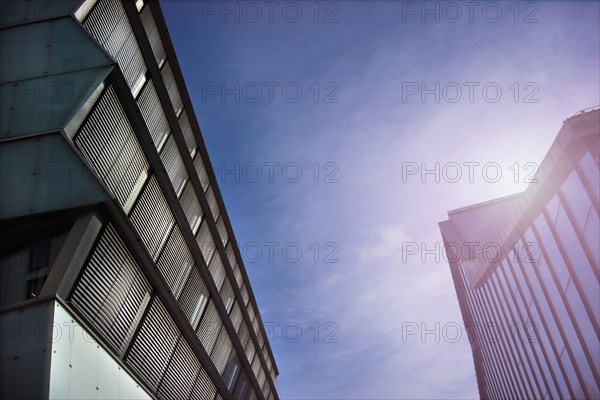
{"type": "Point", "coordinates": [226, 293]}
{"type": "Point", "coordinates": [261, 378]}
{"type": "Point", "coordinates": [194, 298]}
{"type": "Point", "coordinates": [217, 270]}
{"type": "Point", "coordinates": [204, 388]}
{"type": "Point", "coordinates": [261, 340]}
{"type": "Point", "coordinates": [172, 89]}
{"type": "Point", "coordinates": [153, 36]}
{"type": "Point", "coordinates": [230, 254]}
{"type": "Point", "coordinates": [236, 316]}
{"type": "Point", "coordinates": [108, 23]}
{"type": "Point", "coordinates": [175, 262]}
{"type": "Point", "coordinates": [153, 114]}
{"type": "Point", "coordinates": [251, 313]}
{"type": "Point", "coordinates": [244, 335]}
{"type": "Point", "coordinates": [221, 351]}
{"type": "Point", "coordinates": [237, 275]}
{"type": "Point", "coordinates": [111, 293]}
{"type": "Point", "coordinates": [223, 232]}
{"type": "Point", "coordinates": [191, 207]}
{"type": "Point", "coordinates": [201, 171]}
{"type": "Point", "coordinates": [180, 374]}
{"type": "Point", "coordinates": [249, 350]}
{"type": "Point", "coordinates": [153, 346]}
{"type": "Point", "coordinates": [209, 327]}
{"type": "Point", "coordinates": [255, 325]}
{"type": "Point", "coordinates": [188, 133]}
{"type": "Point", "coordinates": [152, 217]}
{"type": "Point", "coordinates": [244, 293]}
{"type": "Point", "coordinates": [212, 203]}
{"type": "Point", "coordinates": [255, 364]}
{"type": "Point", "coordinates": [173, 162]}
{"type": "Point", "coordinates": [109, 144]}
{"type": "Point", "coordinates": [206, 242]}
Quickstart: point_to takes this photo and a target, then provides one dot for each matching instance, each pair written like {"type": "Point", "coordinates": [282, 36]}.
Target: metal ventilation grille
{"type": "Point", "coordinates": [244, 293]}
{"type": "Point", "coordinates": [238, 275]}
{"type": "Point", "coordinates": [181, 373]}
{"type": "Point", "coordinates": [231, 371]}
{"type": "Point", "coordinates": [243, 335]}
{"type": "Point", "coordinates": [251, 313]}
{"type": "Point", "coordinates": [236, 316]}
{"type": "Point", "coordinates": [188, 133]}
{"type": "Point", "coordinates": [153, 114]}
{"type": "Point", "coordinates": [173, 162]}
{"type": "Point", "coordinates": [261, 340]}
{"type": "Point", "coordinates": [204, 388]}
{"type": "Point", "coordinates": [223, 232]}
{"type": "Point", "coordinates": [255, 325]}
{"type": "Point", "coordinates": [226, 293]}
{"type": "Point", "coordinates": [206, 242]}
{"type": "Point", "coordinates": [175, 262]}
{"type": "Point", "coordinates": [109, 144]}
{"type": "Point", "coordinates": [212, 203]}
{"type": "Point", "coordinates": [191, 207]}
{"type": "Point", "coordinates": [255, 365]}
{"type": "Point", "coordinates": [194, 297]}
{"type": "Point", "coordinates": [270, 367]}
{"type": "Point", "coordinates": [152, 218]}
{"type": "Point", "coordinates": [108, 23]}
{"type": "Point", "coordinates": [201, 171]}
{"type": "Point", "coordinates": [217, 270]}
{"type": "Point", "coordinates": [111, 293]}
{"type": "Point", "coordinates": [221, 351]}
{"type": "Point", "coordinates": [171, 85]}
{"type": "Point", "coordinates": [250, 350]}
{"type": "Point", "coordinates": [230, 254]}
{"type": "Point", "coordinates": [209, 327]}
{"type": "Point", "coordinates": [153, 346]}
{"type": "Point", "coordinates": [261, 379]}
{"type": "Point", "coordinates": [153, 36]}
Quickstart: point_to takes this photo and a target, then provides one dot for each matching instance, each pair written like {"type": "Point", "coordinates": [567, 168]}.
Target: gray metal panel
{"type": "Point", "coordinates": [42, 174]}
{"type": "Point", "coordinates": [25, 352]}
{"type": "Point", "coordinates": [49, 69]}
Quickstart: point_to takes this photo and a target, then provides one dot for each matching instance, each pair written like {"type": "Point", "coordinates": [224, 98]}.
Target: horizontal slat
{"type": "Point", "coordinates": [112, 293]}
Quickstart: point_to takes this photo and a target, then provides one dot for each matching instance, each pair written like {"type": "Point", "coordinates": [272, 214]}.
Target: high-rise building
{"type": "Point", "coordinates": [526, 273]}
{"type": "Point", "coordinates": [120, 274]}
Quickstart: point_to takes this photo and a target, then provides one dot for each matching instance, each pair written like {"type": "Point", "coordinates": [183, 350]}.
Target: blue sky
{"type": "Point", "coordinates": [366, 127]}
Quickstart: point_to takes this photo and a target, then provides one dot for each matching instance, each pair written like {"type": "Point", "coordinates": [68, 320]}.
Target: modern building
{"type": "Point", "coordinates": [526, 273]}
{"type": "Point", "coordinates": [120, 274]}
